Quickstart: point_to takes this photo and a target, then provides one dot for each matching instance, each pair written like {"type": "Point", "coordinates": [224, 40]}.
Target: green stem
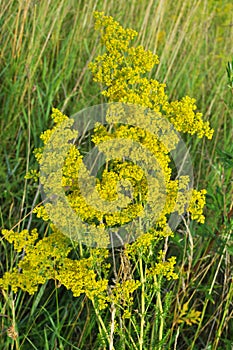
{"type": "Point", "coordinates": [143, 280]}
{"type": "Point", "coordinates": [160, 307]}
{"type": "Point", "coordinates": [101, 323]}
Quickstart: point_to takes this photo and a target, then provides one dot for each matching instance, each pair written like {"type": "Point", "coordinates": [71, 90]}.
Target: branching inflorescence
{"type": "Point", "coordinates": [121, 71]}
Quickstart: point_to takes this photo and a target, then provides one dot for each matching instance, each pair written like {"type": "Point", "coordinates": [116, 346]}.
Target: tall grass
{"type": "Point", "coordinates": [45, 50]}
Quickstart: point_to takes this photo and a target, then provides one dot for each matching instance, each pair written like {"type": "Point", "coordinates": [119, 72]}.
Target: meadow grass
{"type": "Point", "coordinates": [45, 50]}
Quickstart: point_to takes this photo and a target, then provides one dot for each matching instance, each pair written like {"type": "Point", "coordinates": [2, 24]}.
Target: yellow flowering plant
{"type": "Point", "coordinates": [140, 269]}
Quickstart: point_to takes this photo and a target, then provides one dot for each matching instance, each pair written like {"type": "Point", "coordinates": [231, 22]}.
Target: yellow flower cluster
{"type": "Point", "coordinates": [41, 212]}
{"type": "Point", "coordinates": [142, 245]}
{"type": "Point", "coordinates": [123, 190]}
{"type": "Point", "coordinates": [177, 192]}
{"type": "Point", "coordinates": [32, 174]}
{"type": "Point", "coordinates": [122, 293]}
{"type": "Point", "coordinates": [80, 277]}
{"type": "Point", "coordinates": [158, 148]}
{"type": "Point", "coordinates": [70, 170]}
{"type": "Point", "coordinates": [163, 268]}
{"type": "Point", "coordinates": [120, 70]}
{"type": "Point", "coordinates": [20, 240]}
{"type": "Point", "coordinates": [39, 262]}
{"type": "Point", "coordinates": [112, 33]}
{"type": "Point", "coordinates": [182, 116]}
{"type": "Point", "coordinates": [196, 205]}
{"type": "Point", "coordinates": [59, 119]}
{"type": "Point", "coordinates": [47, 259]}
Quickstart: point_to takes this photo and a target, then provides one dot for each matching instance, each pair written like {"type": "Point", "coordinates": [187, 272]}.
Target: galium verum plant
{"type": "Point", "coordinates": [142, 267]}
